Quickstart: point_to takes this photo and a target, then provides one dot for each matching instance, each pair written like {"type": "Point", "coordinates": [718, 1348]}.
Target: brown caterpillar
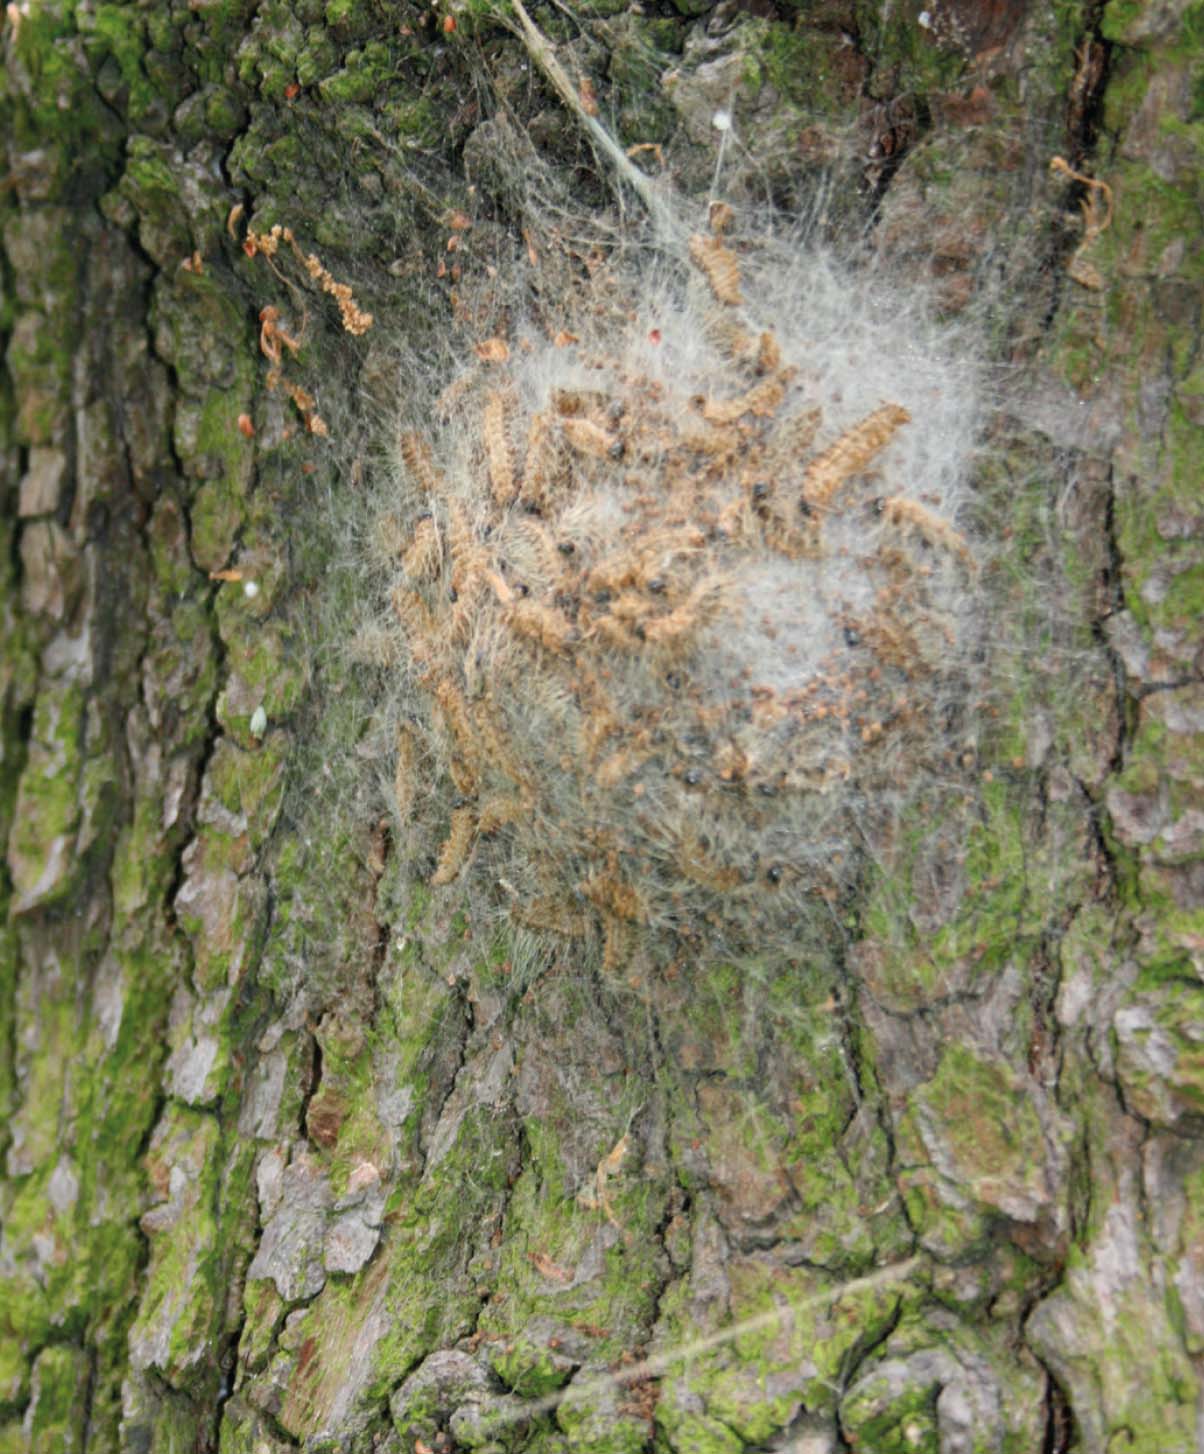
{"type": "Point", "coordinates": [644, 599]}
{"type": "Point", "coordinates": [466, 755]}
{"type": "Point", "coordinates": [553, 914]}
{"type": "Point", "coordinates": [904, 514]}
{"type": "Point", "coordinates": [497, 449]}
{"type": "Point", "coordinates": [543, 553]}
{"type": "Point", "coordinates": [719, 265]}
{"type": "Point", "coordinates": [589, 439]}
{"type": "Point", "coordinates": [404, 773]}
{"type": "Point", "coordinates": [541, 468]}
{"type": "Point", "coordinates": [456, 848]}
{"type": "Point", "coordinates": [494, 747]}
{"type": "Point", "coordinates": [417, 622]}
{"type": "Point", "coordinates": [669, 630]}
{"type": "Point", "coordinates": [616, 943]}
{"type": "Point", "coordinates": [498, 811]}
{"type": "Point", "coordinates": [763, 400]}
{"type": "Point", "coordinates": [769, 355]}
{"type": "Point", "coordinates": [621, 764]}
{"type": "Point", "coordinates": [608, 892]}
{"type": "Point", "coordinates": [421, 558]}
{"type": "Point", "coordinates": [699, 867]}
{"type": "Point", "coordinates": [544, 625]}
{"type": "Point", "coordinates": [850, 454]}
{"type": "Point", "coordinates": [416, 453]}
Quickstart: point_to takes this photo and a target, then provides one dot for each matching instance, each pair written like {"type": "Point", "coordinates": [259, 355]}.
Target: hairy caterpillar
{"type": "Point", "coordinates": [658, 641]}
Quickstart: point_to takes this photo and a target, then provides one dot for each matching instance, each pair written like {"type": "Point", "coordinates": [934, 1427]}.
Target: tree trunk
{"type": "Point", "coordinates": [295, 1157]}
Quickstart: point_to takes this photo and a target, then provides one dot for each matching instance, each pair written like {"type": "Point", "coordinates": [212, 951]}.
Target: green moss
{"type": "Point", "coordinates": [150, 185]}
{"type": "Point", "coordinates": [344, 14]}
{"type": "Point", "coordinates": [808, 64]}
{"type": "Point", "coordinates": [74, 1218]}
{"type": "Point", "coordinates": [14, 1374]}
{"type": "Point", "coordinates": [9, 960]}
{"type": "Point", "coordinates": [119, 31]}
{"type": "Point", "coordinates": [1113, 1347]}
{"type": "Point", "coordinates": [116, 1106]}
{"type": "Point", "coordinates": [415, 1290]}
{"type": "Point", "coordinates": [1119, 17]}
{"type": "Point", "coordinates": [250, 784]}
{"type": "Point", "coordinates": [363, 75]}
{"type": "Point", "coordinates": [38, 359]}
{"type": "Point", "coordinates": [181, 1285]}
{"type": "Point", "coordinates": [878, 1417]}
{"type": "Point", "coordinates": [907, 57]}
{"type": "Point", "coordinates": [317, 59]}
{"type": "Point", "coordinates": [554, 1227]}
{"type": "Point", "coordinates": [1120, 21]}
{"type": "Point", "coordinates": [710, 1031]}
{"type": "Point", "coordinates": [1184, 599]}
{"type": "Point", "coordinates": [645, 114]}
{"type": "Point", "coordinates": [225, 23]}
{"type": "Point", "coordinates": [217, 508]}
{"type": "Point", "coordinates": [795, 1159]}
{"type": "Point", "coordinates": [347, 1093]}
{"type": "Point", "coordinates": [893, 1402]}
{"type": "Point", "coordinates": [595, 1429]}
{"type": "Point", "coordinates": [265, 676]}
{"type": "Point", "coordinates": [41, 847]}
{"type": "Point", "coordinates": [1011, 879]}
{"type": "Point", "coordinates": [58, 1400]}
{"type": "Point", "coordinates": [263, 1310]}
{"type": "Point", "coordinates": [529, 1368]}
{"type": "Point", "coordinates": [1161, 1055]}
{"type": "Point", "coordinates": [800, 1337]}
{"type": "Point", "coordinates": [59, 110]}
{"type": "Point", "coordinates": [224, 113]}
{"type": "Point", "coordinates": [690, 1431]}
{"type": "Point", "coordinates": [416, 122]}
{"type": "Point", "coordinates": [205, 336]}
{"type": "Point", "coordinates": [975, 1122]}
{"type": "Point", "coordinates": [1160, 214]}
{"type": "Point", "coordinates": [306, 929]}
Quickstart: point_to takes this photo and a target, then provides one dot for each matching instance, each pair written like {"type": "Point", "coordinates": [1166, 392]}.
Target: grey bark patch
{"type": "Point", "coordinates": [63, 1186]}
{"type": "Point", "coordinates": [42, 482]}
{"type": "Point", "coordinates": [440, 1384]}
{"type": "Point", "coordinates": [261, 1105]}
{"type": "Point", "coordinates": [350, 1242]}
{"type": "Point", "coordinates": [290, 1250]}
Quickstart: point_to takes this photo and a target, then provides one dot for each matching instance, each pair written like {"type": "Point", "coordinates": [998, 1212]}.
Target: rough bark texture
{"type": "Point", "coordinates": [290, 1159]}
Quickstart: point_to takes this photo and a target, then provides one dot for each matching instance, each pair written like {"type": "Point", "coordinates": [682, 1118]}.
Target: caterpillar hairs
{"type": "Point", "coordinates": [678, 589]}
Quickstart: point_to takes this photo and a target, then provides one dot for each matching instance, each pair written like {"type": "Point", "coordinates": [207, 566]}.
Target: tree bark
{"type": "Point", "coordinates": [293, 1157]}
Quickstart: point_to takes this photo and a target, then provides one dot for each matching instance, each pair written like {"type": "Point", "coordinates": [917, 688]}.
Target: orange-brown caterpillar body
{"type": "Point", "coordinates": [720, 266]}
{"type": "Point", "coordinates": [454, 853]}
{"type": "Point", "coordinates": [851, 453]}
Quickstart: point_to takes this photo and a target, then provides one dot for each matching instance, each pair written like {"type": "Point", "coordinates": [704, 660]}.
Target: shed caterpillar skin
{"type": "Point", "coordinates": [404, 774]}
{"type": "Point", "coordinates": [661, 655]}
{"type": "Point", "coordinates": [456, 848]}
{"type": "Point", "coordinates": [911, 514]}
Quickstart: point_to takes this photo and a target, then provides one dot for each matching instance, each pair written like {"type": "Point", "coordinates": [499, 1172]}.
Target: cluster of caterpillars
{"type": "Point", "coordinates": [566, 573]}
